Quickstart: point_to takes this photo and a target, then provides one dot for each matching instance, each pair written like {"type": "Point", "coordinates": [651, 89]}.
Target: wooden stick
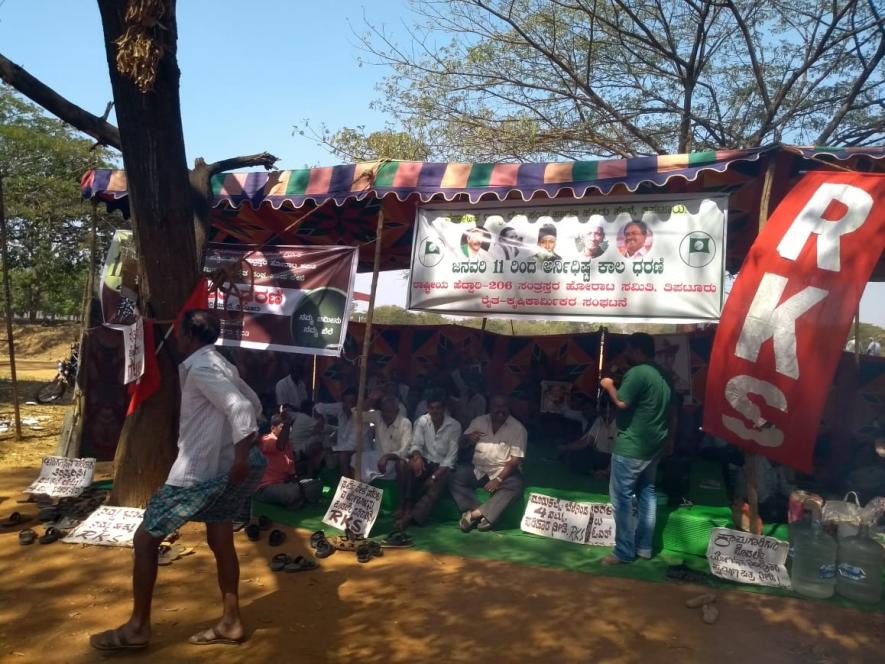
{"type": "Point", "coordinates": [8, 305]}
{"type": "Point", "coordinates": [600, 364]}
{"type": "Point", "coordinates": [857, 337]}
{"type": "Point", "coordinates": [367, 342]}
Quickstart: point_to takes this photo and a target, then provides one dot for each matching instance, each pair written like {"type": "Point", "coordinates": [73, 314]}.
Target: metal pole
{"type": "Point", "coordinates": [367, 342]}
{"type": "Point", "coordinates": [600, 364]}
{"type": "Point", "coordinates": [8, 304]}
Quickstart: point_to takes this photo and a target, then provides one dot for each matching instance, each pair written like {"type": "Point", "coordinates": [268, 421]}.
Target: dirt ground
{"type": "Point", "coordinates": [408, 606]}
{"type": "Point", "coordinates": [405, 607]}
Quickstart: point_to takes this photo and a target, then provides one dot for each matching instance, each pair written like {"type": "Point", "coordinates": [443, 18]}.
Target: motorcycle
{"type": "Point", "coordinates": [65, 379]}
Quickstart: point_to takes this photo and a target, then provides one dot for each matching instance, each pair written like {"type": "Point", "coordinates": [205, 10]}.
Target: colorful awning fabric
{"type": "Point", "coordinates": [441, 181]}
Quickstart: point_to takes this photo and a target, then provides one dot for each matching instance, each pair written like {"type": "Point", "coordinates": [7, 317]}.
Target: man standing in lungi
{"type": "Point", "coordinates": [217, 469]}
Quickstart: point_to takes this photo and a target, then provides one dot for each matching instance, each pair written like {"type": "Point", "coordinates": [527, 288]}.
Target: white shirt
{"type": "Point", "coordinates": [393, 439]}
{"type": "Point", "coordinates": [436, 445]}
{"type": "Point", "coordinates": [495, 449]}
{"type": "Point", "coordinates": [303, 431]}
{"type": "Point", "coordinates": [290, 392]}
{"type": "Point", "coordinates": [218, 409]}
{"type": "Point", "coordinates": [874, 348]}
{"type": "Point", "coordinates": [345, 438]}
{"type": "Point", "coordinates": [603, 434]}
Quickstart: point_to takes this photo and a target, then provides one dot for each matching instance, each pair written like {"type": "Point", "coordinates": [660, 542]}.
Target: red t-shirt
{"type": "Point", "coordinates": [280, 464]}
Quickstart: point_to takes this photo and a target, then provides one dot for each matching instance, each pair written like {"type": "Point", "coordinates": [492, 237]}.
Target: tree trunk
{"type": "Point", "coordinates": [161, 205]}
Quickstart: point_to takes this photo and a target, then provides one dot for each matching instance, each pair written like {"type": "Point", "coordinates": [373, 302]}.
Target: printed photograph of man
{"type": "Point", "coordinates": [634, 240]}
{"type": "Point", "coordinates": [547, 244]}
{"type": "Point", "coordinates": [592, 244]}
{"type": "Point", "coordinates": [509, 244]}
{"type": "Point", "coordinates": [475, 244]}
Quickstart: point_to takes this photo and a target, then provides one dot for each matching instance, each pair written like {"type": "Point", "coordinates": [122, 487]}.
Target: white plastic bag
{"type": "Point", "coordinates": [844, 514]}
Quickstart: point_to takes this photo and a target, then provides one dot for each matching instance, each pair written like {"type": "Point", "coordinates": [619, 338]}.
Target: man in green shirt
{"type": "Point", "coordinates": [644, 401]}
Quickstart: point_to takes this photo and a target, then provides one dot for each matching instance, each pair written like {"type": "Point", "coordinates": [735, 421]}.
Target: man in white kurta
{"type": "Point", "coordinates": [499, 442]}
{"type": "Point", "coordinates": [393, 437]}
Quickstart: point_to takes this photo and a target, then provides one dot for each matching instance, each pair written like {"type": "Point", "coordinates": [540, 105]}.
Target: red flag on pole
{"type": "Point", "coordinates": [149, 382]}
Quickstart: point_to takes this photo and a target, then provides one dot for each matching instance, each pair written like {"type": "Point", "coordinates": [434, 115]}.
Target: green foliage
{"type": "Point", "coordinates": [42, 161]}
{"type": "Point", "coordinates": [534, 79]}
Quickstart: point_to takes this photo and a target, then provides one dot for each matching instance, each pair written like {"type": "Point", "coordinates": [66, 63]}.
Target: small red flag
{"type": "Point", "coordinates": [199, 299]}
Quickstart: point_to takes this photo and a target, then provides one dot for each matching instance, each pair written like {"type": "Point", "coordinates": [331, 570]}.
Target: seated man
{"type": "Point", "coordinates": [291, 391]}
{"type": "Point", "coordinates": [592, 451]}
{"type": "Point", "coordinates": [306, 436]}
{"type": "Point", "coordinates": [499, 443]}
{"type": "Point", "coordinates": [345, 437]}
{"type": "Point", "coordinates": [279, 485]}
{"type": "Point", "coordinates": [431, 456]}
{"type": "Point", "coordinates": [393, 438]}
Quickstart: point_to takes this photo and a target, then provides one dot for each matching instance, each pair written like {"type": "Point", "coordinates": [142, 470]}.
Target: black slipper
{"type": "Point", "coordinates": [397, 540]}
{"type": "Point", "coordinates": [279, 562]}
{"type": "Point", "coordinates": [683, 573]}
{"type": "Point", "coordinates": [51, 535]}
{"type": "Point", "coordinates": [16, 519]}
{"type": "Point", "coordinates": [324, 548]}
{"type": "Point", "coordinates": [363, 553]}
{"type": "Point", "coordinates": [26, 537]}
{"type": "Point", "coordinates": [316, 537]}
{"type": "Point", "coordinates": [253, 532]}
{"type": "Point", "coordinates": [301, 564]}
{"type": "Point", "coordinates": [276, 537]}
{"type": "Point", "coordinates": [375, 549]}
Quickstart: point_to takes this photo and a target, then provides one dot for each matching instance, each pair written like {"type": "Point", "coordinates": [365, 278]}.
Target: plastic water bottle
{"type": "Point", "coordinates": [813, 573]}
{"type": "Point", "coordinates": [859, 572]}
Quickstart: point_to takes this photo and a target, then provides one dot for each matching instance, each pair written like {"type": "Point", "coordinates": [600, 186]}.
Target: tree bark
{"type": "Point", "coordinates": [162, 209]}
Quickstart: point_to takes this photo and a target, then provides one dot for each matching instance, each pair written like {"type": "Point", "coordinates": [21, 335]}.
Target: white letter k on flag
{"type": "Point", "coordinates": [766, 319]}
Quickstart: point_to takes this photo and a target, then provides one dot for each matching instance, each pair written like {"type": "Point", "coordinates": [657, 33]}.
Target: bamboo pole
{"type": "Point", "coordinates": [857, 337]}
{"type": "Point", "coordinates": [8, 305]}
{"type": "Point", "coordinates": [600, 363]}
{"type": "Point", "coordinates": [364, 360]}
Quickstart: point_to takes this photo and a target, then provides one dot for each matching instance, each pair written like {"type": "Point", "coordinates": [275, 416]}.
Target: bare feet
{"type": "Point", "coordinates": [230, 634]}
{"type": "Point", "coordinates": [125, 637]}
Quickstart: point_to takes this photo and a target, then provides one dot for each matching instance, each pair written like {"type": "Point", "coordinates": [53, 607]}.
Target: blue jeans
{"type": "Point", "coordinates": [633, 478]}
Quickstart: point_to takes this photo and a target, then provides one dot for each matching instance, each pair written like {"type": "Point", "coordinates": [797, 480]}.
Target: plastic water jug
{"type": "Point", "coordinates": [859, 569]}
{"type": "Point", "coordinates": [813, 573]}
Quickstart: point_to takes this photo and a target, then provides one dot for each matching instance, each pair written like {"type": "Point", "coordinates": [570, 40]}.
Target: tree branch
{"type": "Point", "coordinates": [96, 127]}
{"type": "Point", "coordinates": [263, 159]}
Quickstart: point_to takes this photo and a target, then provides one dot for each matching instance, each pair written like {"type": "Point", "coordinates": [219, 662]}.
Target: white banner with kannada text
{"type": "Point", "coordinates": [643, 258]}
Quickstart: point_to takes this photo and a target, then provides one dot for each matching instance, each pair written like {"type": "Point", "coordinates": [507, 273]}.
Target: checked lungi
{"type": "Point", "coordinates": [212, 501]}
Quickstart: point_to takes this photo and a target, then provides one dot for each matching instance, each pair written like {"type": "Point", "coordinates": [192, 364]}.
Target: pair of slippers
{"type": "Point", "coordinates": [169, 552]}
{"type": "Point", "coordinates": [283, 562]}
{"type": "Point", "coordinates": [15, 519]}
{"type": "Point", "coordinates": [29, 536]}
{"type": "Point", "coordinates": [253, 530]}
{"type": "Point", "coordinates": [321, 545]}
{"type": "Point", "coordinates": [368, 550]}
{"type": "Point", "coordinates": [398, 539]}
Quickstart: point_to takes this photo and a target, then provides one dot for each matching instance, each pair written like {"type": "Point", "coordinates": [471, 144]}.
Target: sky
{"type": "Point", "coordinates": [250, 72]}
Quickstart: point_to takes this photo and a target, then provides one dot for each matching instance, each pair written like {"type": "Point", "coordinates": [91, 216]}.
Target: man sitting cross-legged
{"type": "Point", "coordinates": [279, 486]}
{"type": "Point", "coordinates": [432, 455]}
{"type": "Point", "coordinates": [393, 438]}
{"type": "Point", "coordinates": [499, 442]}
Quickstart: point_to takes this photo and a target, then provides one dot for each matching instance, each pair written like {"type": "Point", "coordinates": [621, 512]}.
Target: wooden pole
{"type": "Point", "coordinates": [364, 360]}
{"type": "Point", "coordinates": [8, 305]}
{"type": "Point", "coordinates": [857, 337]}
{"type": "Point", "coordinates": [313, 381]}
{"type": "Point", "coordinates": [600, 363]}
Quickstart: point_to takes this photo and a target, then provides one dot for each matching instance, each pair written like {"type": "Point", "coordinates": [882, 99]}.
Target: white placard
{"type": "Point", "coordinates": [746, 558]}
{"type": "Point", "coordinates": [107, 526]}
{"type": "Point", "coordinates": [646, 257]}
{"type": "Point", "coordinates": [602, 525]}
{"type": "Point", "coordinates": [354, 507]}
{"type": "Point", "coordinates": [133, 351]}
{"type": "Point", "coordinates": [556, 518]}
{"type": "Point", "coordinates": [61, 477]}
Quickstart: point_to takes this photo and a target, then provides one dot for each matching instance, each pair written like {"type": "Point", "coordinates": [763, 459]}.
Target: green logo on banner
{"type": "Point", "coordinates": [316, 321]}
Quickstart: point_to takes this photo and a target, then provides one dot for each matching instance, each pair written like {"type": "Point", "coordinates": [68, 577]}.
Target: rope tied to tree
{"type": "Point", "coordinates": [140, 49]}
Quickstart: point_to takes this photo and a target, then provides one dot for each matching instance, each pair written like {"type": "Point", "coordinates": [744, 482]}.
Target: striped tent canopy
{"type": "Point", "coordinates": [256, 207]}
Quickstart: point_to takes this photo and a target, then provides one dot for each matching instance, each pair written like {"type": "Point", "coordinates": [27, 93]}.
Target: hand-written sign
{"type": "Point", "coordinates": [556, 518]}
{"type": "Point", "coordinates": [602, 525]}
{"type": "Point", "coordinates": [746, 558]}
{"type": "Point", "coordinates": [354, 507]}
{"type": "Point", "coordinates": [63, 478]}
{"type": "Point", "coordinates": [133, 351]}
{"type": "Point", "coordinates": [107, 526]}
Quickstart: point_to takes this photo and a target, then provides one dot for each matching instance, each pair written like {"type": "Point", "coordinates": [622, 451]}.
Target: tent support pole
{"type": "Point", "coordinates": [7, 301]}
{"type": "Point", "coordinates": [600, 364]}
{"type": "Point", "coordinates": [364, 359]}
{"type": "Point", "coordinates": [857, 337]}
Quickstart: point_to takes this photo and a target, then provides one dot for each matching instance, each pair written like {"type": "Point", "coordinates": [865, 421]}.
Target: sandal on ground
{"type": "Point", "coordinates": [48, 514]}
{"type": "Point", "coordinates": [210, 637]}
{"type": "Point", "coordinates": [467, 523]}
{"type": "Point", "coordinates": [113, 640]}
{"type": "Point", "coordinates": [51, 535]}
{"type": "Point", "coordinates": [683, 573]}
{"type": "Point", "coordinates": [324, 549]}
{"type": "Point", "coordinates": [363, 553]}
{"type": "Point", "coordinates": [276, 537]}
{"type": "Point", "coordinates": [316, 537]}
{"type": "Point", "coordinates": [301, 564]}
{"type": "Point", "coordinates": [342, 543]}
{"type": "Point", "coordinates": [375, 549]}
{"type": "Point", "coordinates": [169, 553]}
{"type": "Point", "coordinates": [484, 525]}
{"type": "Point", "coordinates": [397, 540]}
{"type": "Point", "coordinates": [279, 562]}
{"type": "Point", "coordinates": [253, 532]}
{"type": "Point", "coordinates": [27, 536]}
{"type": "Point", "coordinates": [16, 519]}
